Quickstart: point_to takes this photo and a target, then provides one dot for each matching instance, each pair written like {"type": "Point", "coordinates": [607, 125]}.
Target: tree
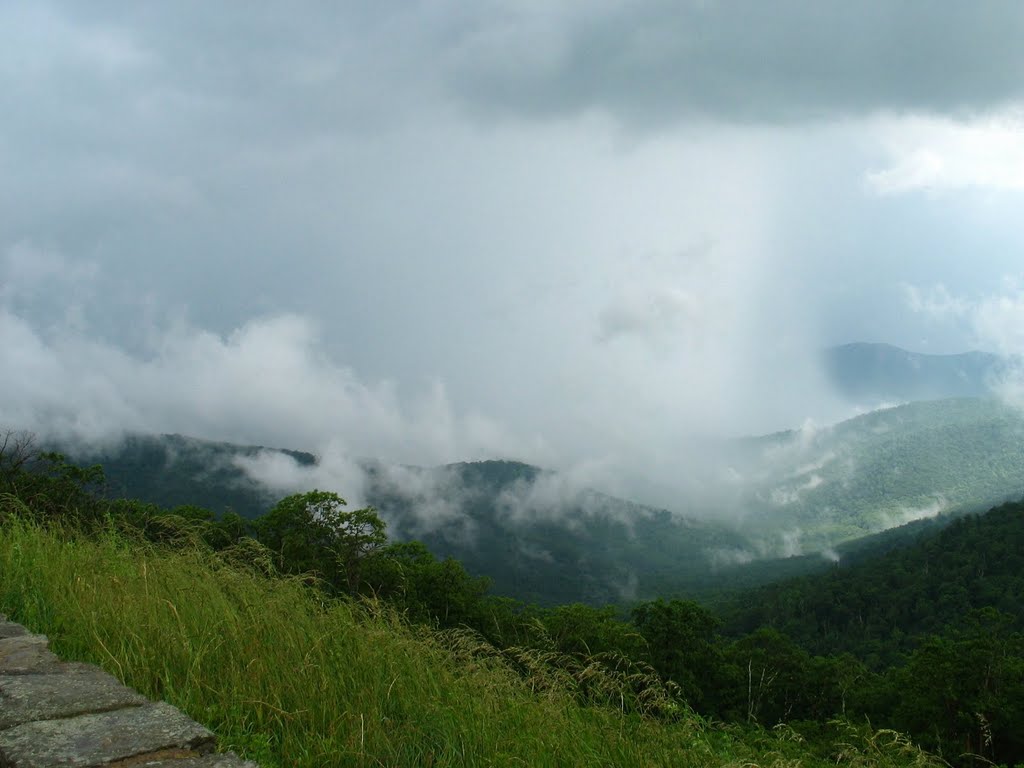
{"type": "Point", "coordinates": [313, 533]}
{"type": "Point", "coordinates": [584, 629]}
{"type": "Point", "coordinates": [683, 646]}
{"type": "Point", "coordinates": [963, 692]}
{"type": "Point", "coordinates": [779, 680]}
{"type": "Point", "coordinates": [426, 588]}
{"type": "Point", "coordinates": [45, 482]}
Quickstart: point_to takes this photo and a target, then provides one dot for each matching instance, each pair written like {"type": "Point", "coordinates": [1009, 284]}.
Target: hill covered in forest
{"type": "Point", "coordinates": [880, 607]}
{"type": "Point", "coordinates": [938, 654]}
{"type": "Point", "coordinates": [540, 536]}
{"type": "Point", "coordinates": [817, 487]}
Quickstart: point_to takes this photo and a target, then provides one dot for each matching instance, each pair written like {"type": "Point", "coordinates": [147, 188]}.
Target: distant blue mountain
{"type": "Point", "coordinates": [873, 373]}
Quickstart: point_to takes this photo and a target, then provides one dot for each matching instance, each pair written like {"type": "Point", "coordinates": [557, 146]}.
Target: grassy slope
{"type": "Point", "coordinates": [290, 680]}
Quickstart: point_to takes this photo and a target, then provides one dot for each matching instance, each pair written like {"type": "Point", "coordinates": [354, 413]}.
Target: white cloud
{"type": "Point", "coordinates": [334, 470]}
{"type": "Point", "coordinates": [935, 301]}
{"type": "Point", "coordinates": [44, 281]}
{"type": "Point", "coordinates": [725, 557]}
{"type": "Point", "coordinates": [999, 320]}
{"type": "Point", "coordinates": [48, 42]}
{"type": "Point", "coordinates": [27, 267]}
{"type": "Point", "coordinates": [790, 543]}
{"type": "Point", "coordinates": [791, 494]}
{"type": "Point", "coordinates": [996, 323]}
{"type": "Point", "coordinates": [267, 382]}
{"type": "Point", "coordinates": [996, 320]}
{"type": "Point", "coordinates": [659, 311]}
{"type": "Point", "coordinates": [940, 154]}
{"type": "Point", "coordinates": [831, 555]}
{"type": "Point", "coordinates": [904, 515]}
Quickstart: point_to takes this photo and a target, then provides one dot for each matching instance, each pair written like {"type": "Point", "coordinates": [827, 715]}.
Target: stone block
{"type": "Point", "coordinates": [87, 741]}
{"type": "Point", "coordinates": [26, 654]}
{"type": "Point", "coordinates": [71, 690]}
{"type": "Point", "coordinates": [10, 629]}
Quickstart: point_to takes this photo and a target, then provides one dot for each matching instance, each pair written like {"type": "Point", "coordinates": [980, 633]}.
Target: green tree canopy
{"type": "Point", "coordinates": [312, 532]}
{"type": "Point", "coordinates": [682, 642]}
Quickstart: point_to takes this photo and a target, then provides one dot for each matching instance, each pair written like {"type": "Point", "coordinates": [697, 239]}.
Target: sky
{"type": "Point", "coordinates": [574, 233]}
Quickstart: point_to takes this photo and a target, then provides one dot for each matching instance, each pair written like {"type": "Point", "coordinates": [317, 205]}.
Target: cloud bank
{"type": "Point", "coordinates": [745, 61]}
{"type": "Point", "coordinates": [576, 235]}
{"type": "Point", "coordinates": [267, 382]}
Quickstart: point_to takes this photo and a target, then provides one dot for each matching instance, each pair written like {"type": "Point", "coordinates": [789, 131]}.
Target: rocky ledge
{"type": "Point", "coordinates": [70, 715]}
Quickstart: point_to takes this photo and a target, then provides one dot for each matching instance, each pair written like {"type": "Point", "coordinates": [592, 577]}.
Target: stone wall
{"type": "Point", "coordinates": [54, 714]}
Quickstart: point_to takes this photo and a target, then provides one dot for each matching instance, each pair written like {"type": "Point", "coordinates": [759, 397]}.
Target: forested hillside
{"type": "Point", "coordinates": [541, 537]}
{"type": "Point", "coordinates": [536, 536]}
{"type": "Point", "coordinates": [931, 633]}
{"type": "Point", "coordinates": [368, 652]}
{"type": "Point", "coordinates": [881, 469]}
{"type": "Point", "coordinates": [880, 608]}
{"type": "Point", "coordinates": [541, 540]}
{"type": "Point", "coordinates": [171, 470]}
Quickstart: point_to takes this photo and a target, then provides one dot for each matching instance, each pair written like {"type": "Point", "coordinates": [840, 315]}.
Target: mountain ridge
{"type": "Point", "coordinates": [873, 372]}
{"type": "Point", "coordinates": [542, 537]}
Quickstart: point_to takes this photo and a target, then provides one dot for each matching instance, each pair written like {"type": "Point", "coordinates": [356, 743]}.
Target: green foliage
{"type": "Point", "coordinates": [583, 629]}
{"type": "Point", "coordinates": [877, 608]}
{"type": "Point", "coordinates": [682, 642]}
{"type": "Point", "coordinates": [936, 628]}
{"type": "Point", "coordinates": [781, 681]}
{"type": "Point", "coordinates": [833, 484]}
{"type": "Point", "coordinates": [312, 533]}
{"type": "Point", "coordinates": [964, 692]}
{"type": "Point", "coordinates": [50, 486]}
{"type": "Point", "coordinates": [290, 678]}
{"type": "Point", "coordinates": [882, 469]}
{"type": "Point", "coordinates": [926, 639]}
{"type": "Point", "coordinates": [426, 589]}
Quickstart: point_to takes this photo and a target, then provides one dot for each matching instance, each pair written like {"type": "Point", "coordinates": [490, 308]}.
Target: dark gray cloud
{"type": "Point", "coordinates": [656, 62]}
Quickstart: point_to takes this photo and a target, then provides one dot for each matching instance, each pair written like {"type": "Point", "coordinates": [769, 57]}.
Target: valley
{"type": "Point", "coordinates": [794, 502]}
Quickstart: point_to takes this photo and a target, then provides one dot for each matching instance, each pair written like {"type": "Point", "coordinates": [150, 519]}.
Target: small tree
{"type": "Point", "coordinates": [312, 532]}
{"type": "Point", "coordinates": [46, 482]}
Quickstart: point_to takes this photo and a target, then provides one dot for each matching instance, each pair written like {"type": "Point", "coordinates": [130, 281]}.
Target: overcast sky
{"type": "Point", "coordinates": [569, 232]}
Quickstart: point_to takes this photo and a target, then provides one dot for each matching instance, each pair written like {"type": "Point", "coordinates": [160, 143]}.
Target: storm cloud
{"type": "Point", "coordinates": [658, 62]}
{"type": "Point", "coordinates": [575, 234]}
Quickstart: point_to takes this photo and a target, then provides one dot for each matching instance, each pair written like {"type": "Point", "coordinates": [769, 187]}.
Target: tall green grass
{"type": "Point", "coordinates": [290, 679]}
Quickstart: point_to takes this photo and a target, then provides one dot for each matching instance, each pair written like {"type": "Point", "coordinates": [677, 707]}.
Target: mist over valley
{"type": "Point", "coordinates": [551, 536]}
